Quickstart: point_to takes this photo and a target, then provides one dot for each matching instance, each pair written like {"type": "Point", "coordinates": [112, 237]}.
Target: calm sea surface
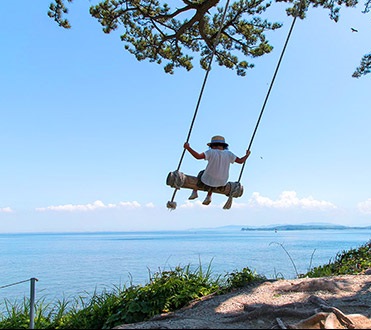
{"type": "Point", "coordinates": [76, 264]}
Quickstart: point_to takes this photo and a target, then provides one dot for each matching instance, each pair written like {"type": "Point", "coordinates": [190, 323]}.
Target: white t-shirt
{"type": "Point", "coordinates": [217, 170]}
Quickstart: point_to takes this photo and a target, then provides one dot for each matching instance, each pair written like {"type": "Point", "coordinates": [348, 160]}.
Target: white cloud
{"type": "Point", "coordinates": [130, 205]}
{"type": "Point", "coordinates": [286, 200]}
{"type": "Point", "coordinates": [6, 210]}
{"type": "Point", "coordinates": [97, 205]}
{"type": "Point", "coordinates": [289, 199]}
{"type": "Point", "coordinates": [365, 207]}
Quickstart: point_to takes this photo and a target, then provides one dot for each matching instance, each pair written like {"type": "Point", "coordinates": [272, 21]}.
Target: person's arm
{"type": "Point", "coordinates": [194, 153]}
{"type": "Point", "coordinates": [243, 159]}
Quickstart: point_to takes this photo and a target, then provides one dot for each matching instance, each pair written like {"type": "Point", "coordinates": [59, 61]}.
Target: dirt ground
{"type": "Point", "coordinates": [339, 302]}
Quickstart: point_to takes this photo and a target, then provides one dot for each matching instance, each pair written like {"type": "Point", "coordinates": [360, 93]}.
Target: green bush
{"type": "Point", "coordinates": [239, 279]}
{"type": "Point", "coordinates": [351, 262]}
{"type": "Point", "coordinates": [167, 291]}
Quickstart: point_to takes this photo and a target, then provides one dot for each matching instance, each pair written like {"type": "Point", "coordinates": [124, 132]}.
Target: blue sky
{"type": "Point", "coordinates": [89, 134]}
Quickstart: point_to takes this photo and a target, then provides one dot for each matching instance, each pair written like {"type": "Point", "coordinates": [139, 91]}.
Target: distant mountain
{"type": "Point", "coordinates": [311, 226]}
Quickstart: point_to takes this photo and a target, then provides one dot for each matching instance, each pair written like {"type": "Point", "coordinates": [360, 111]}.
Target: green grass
{"type": "Point", "coordinates": [166, 291]}
{"type": "Point", "coordinates": [350, 262]}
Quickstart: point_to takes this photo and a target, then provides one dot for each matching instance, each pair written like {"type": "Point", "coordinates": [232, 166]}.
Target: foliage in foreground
{"type": "Point", "coordinates": [167, 291]}
{"type": "Point", "coordinates": [351, 262]}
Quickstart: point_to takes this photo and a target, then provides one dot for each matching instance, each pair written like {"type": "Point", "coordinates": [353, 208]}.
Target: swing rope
{"type": "Point", "coordinates": [269, 91]}
{"type": "Point", "coordinates": [171, 204]}
{"type": "Point", "coordinates": [228, 204]}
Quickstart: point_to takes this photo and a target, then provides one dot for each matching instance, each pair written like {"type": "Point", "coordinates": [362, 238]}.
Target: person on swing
{"type": "Point", "coordinates": [216, 172]}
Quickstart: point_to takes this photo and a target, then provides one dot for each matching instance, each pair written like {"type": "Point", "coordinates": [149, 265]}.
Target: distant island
{"type": "Point", "coordinates": [282, 227]}
{"type": "Point", "coordinates": [303, 227]}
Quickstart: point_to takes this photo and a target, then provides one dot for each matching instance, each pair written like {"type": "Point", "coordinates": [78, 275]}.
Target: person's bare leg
{"type": "Point", "coordinates": [207, 200]}
{"type": "Point", "coordinates": [194, 195]}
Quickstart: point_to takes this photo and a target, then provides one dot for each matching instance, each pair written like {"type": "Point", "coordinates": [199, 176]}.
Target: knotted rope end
{"type": "Point", "coordinates": [171, 205]}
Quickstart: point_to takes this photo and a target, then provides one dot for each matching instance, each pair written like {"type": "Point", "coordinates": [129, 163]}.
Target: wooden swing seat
{"type": "Point", "coordinates": [190, 182]}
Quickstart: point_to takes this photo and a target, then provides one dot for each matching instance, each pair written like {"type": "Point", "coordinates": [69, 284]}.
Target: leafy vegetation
{"type": "Point", "coordinates": [166, 291]}
{"type": "Point", "coordinates": [152, 30]}
{"type": "Point", "coordinates": [351, 262]}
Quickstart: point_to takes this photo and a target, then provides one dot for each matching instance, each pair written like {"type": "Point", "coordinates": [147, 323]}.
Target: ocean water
{"type": "Point", "coordinates": [77, 264]}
